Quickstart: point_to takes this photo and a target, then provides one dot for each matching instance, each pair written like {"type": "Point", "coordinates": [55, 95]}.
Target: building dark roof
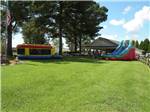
{"type": "Point", "coordinates": [102, 43]}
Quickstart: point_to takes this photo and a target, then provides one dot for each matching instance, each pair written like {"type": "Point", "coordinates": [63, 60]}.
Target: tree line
{"type": "Point", "coordinates": [144, 45]}
{"type": "Point", "coordinates": [40, 21]}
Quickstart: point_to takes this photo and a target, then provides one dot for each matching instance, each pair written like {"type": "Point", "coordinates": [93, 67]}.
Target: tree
{"type": "Point", "coordinates": [141, 45]}
{"type": "Point", "coordinates": [96, 15]}
{"type": "Point", "coordinates": [145, 45]}
{"type": "Point", "coordinates": [41, 26]}
{"type": "Point", "coordinates": [137, 44]}
{"type": "Point", "coordinates": [33, 33]}
{"type": "Point", "coordinates": [134, 43]}
{"type": "Point", "coordinates": [84, 19]}
{"type": "Point", "coordinates": [17, 12]}
{"type": "Point", "coordinates": [73, 20]}
{"type": "Point", "coordinates": [60, 26]}
{"type": "Point", "coordinates": [148, 48]}
{"type": "Point", "coordinates": [48, 19]}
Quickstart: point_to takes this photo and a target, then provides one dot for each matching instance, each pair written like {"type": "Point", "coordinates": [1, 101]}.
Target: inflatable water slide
{"type": "Point", "coordinates": [125, 51]}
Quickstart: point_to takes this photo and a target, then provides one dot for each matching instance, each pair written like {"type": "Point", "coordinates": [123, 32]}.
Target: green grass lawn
{"type": "Point", "coordinates": [81, 85]}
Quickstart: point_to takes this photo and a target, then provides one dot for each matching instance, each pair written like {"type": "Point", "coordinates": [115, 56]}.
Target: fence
{"type": "Point", "coordinates": [145, 60]}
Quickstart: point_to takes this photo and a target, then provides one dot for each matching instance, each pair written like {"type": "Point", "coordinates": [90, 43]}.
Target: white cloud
{"type": "Point", "coordinates": [117, 22]}
{"type": "Point", "coordinates": [137, 22]}
{"type": "Point", "coordinates": [131, 37]}
{"type": "Point", "coordinates": [126, 10]}
{"type": "Point", "coordinates": [109, 36]}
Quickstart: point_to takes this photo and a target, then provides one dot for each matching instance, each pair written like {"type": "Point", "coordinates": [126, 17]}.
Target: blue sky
{"type": "Point", "coordinates": [127, 19]}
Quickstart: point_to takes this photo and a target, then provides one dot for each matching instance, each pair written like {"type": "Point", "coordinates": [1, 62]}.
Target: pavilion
{"type": "Point", "coordinates": [101, 44]}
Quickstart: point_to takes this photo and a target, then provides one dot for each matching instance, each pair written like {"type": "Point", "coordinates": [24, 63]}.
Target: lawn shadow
{"type": "Point", "coordinates": [83, 59]}
{"type": "Point", "coordinates": [67, 60]}
{"type": "Point", "coordinates": [55, 61]}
